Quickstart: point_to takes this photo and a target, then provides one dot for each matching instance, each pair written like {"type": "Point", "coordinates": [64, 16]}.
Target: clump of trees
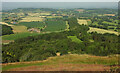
{"type": "Point", "coordinates": [6, 30]}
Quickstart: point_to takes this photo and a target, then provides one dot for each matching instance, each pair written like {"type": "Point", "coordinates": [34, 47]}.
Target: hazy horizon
{"type": "Point", "coordinates": [15, 5]}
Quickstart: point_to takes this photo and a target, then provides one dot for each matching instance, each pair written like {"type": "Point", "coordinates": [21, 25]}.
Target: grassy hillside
{"type": "Point", "coordinates": [18, 36]}
{"type": "Point", "coordinates": [69, 62]}
{"type": "Point", "coordinates": [75, 39]}
{"type": "Point", "coordinates": [19, 29]}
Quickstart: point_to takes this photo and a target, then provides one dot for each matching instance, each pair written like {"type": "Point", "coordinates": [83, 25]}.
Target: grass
{"type": "Point", "coordinates": [19, 29]}
{"type": "Point", "coordinates": [38, 14]}
{"type": "Point", "coordinates": [89, 22]}
{"type": "Point", "coordinates": [55, 26]}
{"type": "Point", "coordinates": [30, 19]}
{"type": "Point", "coordinates": [68, 59]}
{"type": "Point", "coordinates": [54, 16]}
{"type": "Point", "coordinates": [75, 39]}
{"type": "Point", "coordinates": [18, 35]}
{"type": "Point", "coordinates": [67, 29]}
{"type": "Point", "coordinates": [19, 65]}
{"type": "Point", "coordinates": [110, 23]}
{"type": "Point", "coordinates": [102, 31]}
{"type": "Point", "coordinates": [95, 23]}
{"type": "Point", "coordinates": [32, 24]}
{"type": "Point", "coordinates": [82, 21]}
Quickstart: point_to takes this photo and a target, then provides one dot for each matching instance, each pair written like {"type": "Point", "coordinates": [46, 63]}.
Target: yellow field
{"type": "Point", "coordinates": [102, 31]}
{"type": "Point", "coordinates": [38, 14]}
{"type": "Point", "coordinates": [67, 28]}
{"type": "Point", "coordinates": [19, 29]}
{"type": "Point", "coordinates": [20, 14]}
{"type": "Point", "coordinates": [54, 16]}
{"type": "Point", "coordinates": [82, 21]}
{"type": "Point", "coordinates": [5, 24]}
{"type": "Point", "coordinates": [30, 19]}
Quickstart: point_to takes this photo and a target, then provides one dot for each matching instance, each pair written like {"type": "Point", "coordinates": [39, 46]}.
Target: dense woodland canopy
{"type": "Point", "coordinates": [6, 30]}
{"type": "Point", "coordinates": [43, 46]}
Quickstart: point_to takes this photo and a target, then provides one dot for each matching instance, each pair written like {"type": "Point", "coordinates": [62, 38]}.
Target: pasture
{"type": "Point", "coordinates": [18, 36]}
{"type": "Point", "coordinates": [54, 16]}
{"type": "Point", "coordinates": [70, 62]}
{"type": "Point", "coordinates": [33, 24]}
{"type": "Point", "coordinates": [74, 39]}
{"type": "Point", "coordinates": [31, 19]}
{"type": "Point", "coordinates": [82, 21]}
{"type": "Point", "coordinates": [52, 26]}
{"type": "Point", "coordinates": [110, 23]}
{"type": "Point", "coordinates": [19, 29]}
{"type": "Point", "coordinates": [5, 24]}
{"type": "Point", "coordinates": [67, 26]}
{"type": "Point", "coordinates": [102, 31]}
{"type": "Point", "coordinates": [38, 14]}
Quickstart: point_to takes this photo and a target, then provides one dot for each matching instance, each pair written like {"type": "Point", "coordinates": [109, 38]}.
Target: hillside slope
{"type": "Point", "coordinates": [70, 62]}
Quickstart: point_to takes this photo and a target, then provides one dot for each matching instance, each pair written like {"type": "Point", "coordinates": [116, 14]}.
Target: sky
{"type": "Point", "coordinates": [60, 0]}
{"type": "Point", "coordinates": [13, 4]}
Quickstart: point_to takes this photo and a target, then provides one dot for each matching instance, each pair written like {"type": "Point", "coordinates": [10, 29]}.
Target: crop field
{"type": "Point", "coordinates": [70, 62]}
{"type": "Point", "coordinates": [55, 26]}
{"type": "Point", "coordinates": [37, 14]}
{"type": "Point", "coordinates": [102, 31]}
{"type": "Point", "coordinates": [54, 16]}
{"type": "Point", "coordinates": [81, 21]}
{"type": "Point", "coordinates": [5, 24]}
{"type": "Point", "coordinates": [19, 29]}
{"type": "Point", "coordinates": [18, 36]}
{"type": "Point", "coordinates": [45, 13]}
{"type": "Point", "coordinates": [67, 28]}
{"type": "Point", "coordinates": [30, 19]}
{"type": "Point", "coordinates": [33, 24]}
{"type": "Point", "coordinates": [110, 23]}
{"type": "Point", "coordinates": [75, 39]}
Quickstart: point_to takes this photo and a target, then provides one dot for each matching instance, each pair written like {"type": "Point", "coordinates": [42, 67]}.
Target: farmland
{"type": "Point", "coordinates": [110, 23]}
{"type": "Point", "coordinates": [19, 29]}
{"type": "Point", "coordinates": [54, 16]}
{"type": "Point", "coordinates": [85, 39]}
{"type": "Point", "coordinates": [81, 21]}
{"type": "Point", "coordinates": [102, 31]}
{"type": "Point", "coordinates": [55, 26]}
{"type": "Point", "coordinates": [71, 62]}
{"type": "Point", "coordinates": [33, 24]}
{"type": "Point", "coordinates": [18, 36]}
{"type": "Point", "coordinates": [30, 19]}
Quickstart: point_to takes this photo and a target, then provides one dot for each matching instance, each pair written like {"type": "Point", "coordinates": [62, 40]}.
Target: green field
{"type": "Point", "coordinates": [75, 39]}
{"type": "Point", "coordinates": [55, 26]}
{"type": "Point", "coordinates": [95, 23]}
{"type": "Point", "coordinates": [18, 36]}
{"type": "Point", "coordinates": [32, 24]}
{"type": "Point", "coordinates": [109, 23]}
{"type": "Point", "coordinates": [102, 31]}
